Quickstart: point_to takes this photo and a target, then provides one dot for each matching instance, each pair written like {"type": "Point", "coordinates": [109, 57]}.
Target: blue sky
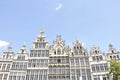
{"type": "Point", "coordinates": [92, 21]}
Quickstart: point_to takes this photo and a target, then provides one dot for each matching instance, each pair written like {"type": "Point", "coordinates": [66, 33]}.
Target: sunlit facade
{"type": "Point", "coordinates": [57, 61]}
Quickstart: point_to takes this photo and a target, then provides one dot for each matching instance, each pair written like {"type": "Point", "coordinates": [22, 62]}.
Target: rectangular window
{"type": "Point", "coordinates": [3, 67]}
{"type": "Point", "coordinates": [101, 67]}
{"type": "Point", "coordinates": [5, 76]}
{"type": "Point", "coordinates": [8, 67]}
{"type": "Point", "coordinates": [97, 68]}
{"type": "Point", "coordinates": [77, 62]}
{"type": "Point", "coordinates": [88, 72]}
{"type": "Point", "coordinates": [97, 57]}
{"type": "Point", "coordinates": [36, 45]}
{"type": "Point", "coordinates": [106, 67]}
{"type": "Point", "coordinates": [93, 58]}
{"type": "Point", "coordinates": [93, 68]}
{"type": "Point", "coordinates": [83, 72]}
{"type": "Point", "coordinates": [82, 63]}
{"type": "Point", "coordinates": [101, 58]}
{"type": "Point", "coordinates": [72, 62]}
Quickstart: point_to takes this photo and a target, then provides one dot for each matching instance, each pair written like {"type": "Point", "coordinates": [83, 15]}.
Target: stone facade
{"type": "Point", "coordinates": [56, 62]}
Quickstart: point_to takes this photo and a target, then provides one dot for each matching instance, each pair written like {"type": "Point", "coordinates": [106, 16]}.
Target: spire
{"type": "Point", "coordinates": [41, 33]}
{"type": "Point", "coordinates": [9, 49]}
{"type": "Point", "coordinates": [112, 49]}
{"type": "Point", "coordinates": [23, 49]}
{"type": "Point", "coordinates": [77, 39]}
{"type": "Point", "coordinates": [58, 40]}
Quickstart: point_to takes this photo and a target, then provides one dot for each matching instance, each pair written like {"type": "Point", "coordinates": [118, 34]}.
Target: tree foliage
{"type": "Point", "coordinates": [115, 69]}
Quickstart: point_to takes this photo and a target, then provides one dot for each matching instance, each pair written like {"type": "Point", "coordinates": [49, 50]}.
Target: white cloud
{"type": "Point", "coordinates": [59, 6]}
{"type": "Point", "coordinates": [3, 44]}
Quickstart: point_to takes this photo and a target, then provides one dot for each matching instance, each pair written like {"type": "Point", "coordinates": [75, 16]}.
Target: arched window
{"type": "Point", "coordinates": [112, 51]}
{"type": "Point", "coordinates": [118, 56]}
{"type": "Point", "coordinates": [95, 52]}
{"type": "Point", "coordinates": [58, 51]}
{"type": "Point", "coordinates": [77, 47]}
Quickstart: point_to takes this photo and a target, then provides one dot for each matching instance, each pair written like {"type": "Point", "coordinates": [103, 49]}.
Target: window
{"type": "Point", "coordinates": [72, 54]}
{"type": "Point", "coordinates": [112, 51]}
{"type": "Point", "coordinates": [97, 57]}
{"type": "Point", "coordinates": [77, 62]}
{"type": "Point", "coordinates": [83, 72]}
{"type": "Point", "coordinates": [110, 57]}
{"type": "Point", "coordinates": [22, 51]}
{"type": "Point", "coordinates": [93, 68]}
{"type": "Point", "coordinates": [3, 56]}
{"type": "Point", "coordinates": [3, 68]}
{"type": "Point", "coordinates": [36, 45]}
{"type": "Point", "coordinates": [95, 52]}
{"type": "Point", "coordinates": [59, 61]}
{"type": "Point", "coordinates": [88, 72]}
{"type": "Point", "coordinates": [78, 72]}
{"type": "Point", "coordinates": [58, 51]}
{"type": "Point", "coordinates": [114, 57]}
{"type": "Point", "coordinates": [82, 63]}
{"type": "Point", "coordinates": [43, 45]}
{"type": "Point", "coordinates": [104, 78]}
{"type": "Point", "coordinates": [74, 48]}
{"type": "Point", "coordinates": [5, 76]}
{"type": "Point", "coordinates": [93, 58]}
{"type": "Point", "coordinates": [101, 58]}
{"type": "Point", "coordinates": [118, 56]}
{"type": "Point", "coordinates": [77, 47]}
{"type": "Point", "coordinates": [101, 67]}
{"type": "Point", "coordinates": [76, 52]}
{"type": "Point", "coordinates": [97, 68]}
{"type": "Point", "coordinates": [72, 62]}
{"type": "Point", "coordinates": [0, 65]}
{"type": "Point", "coordinates": [8, 67]}
{"type": "Point", "coordinates": [7, 56]}
{"type": "Point", "coordinates": [55, 52]}
{"type": "Point", "coordinates": [106, 66]}
{"type": "Point", "coordinates": [21, 57]}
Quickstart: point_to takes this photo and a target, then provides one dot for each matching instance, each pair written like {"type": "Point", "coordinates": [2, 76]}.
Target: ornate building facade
{"type": "Point", "coordinates": [56, 62]}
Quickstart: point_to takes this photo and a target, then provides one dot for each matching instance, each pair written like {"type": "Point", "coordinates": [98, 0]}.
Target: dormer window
{"type": "Point", "coordinates": [22, 51]}
{"type": "Point", "coordinates": [112, 51]}
{"type": "Point", "coordinates": [40, 39]}
{"type": "Point", "coordinates": [95, 51]}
